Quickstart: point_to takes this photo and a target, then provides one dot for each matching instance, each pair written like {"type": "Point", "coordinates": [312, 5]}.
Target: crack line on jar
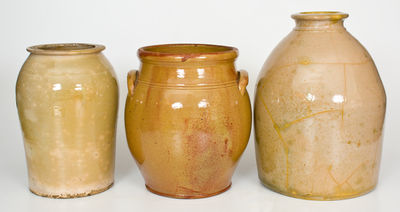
{"type": "Point", "coordinates": [287, 125]}
{"type": "Point", "coordinates": [285, 145]}
{"type": "Point", "coordinates": [315, 63]}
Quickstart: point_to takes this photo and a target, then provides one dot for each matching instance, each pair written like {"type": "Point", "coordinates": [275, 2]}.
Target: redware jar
{"type": "Point", "coordinates": [187, 118]}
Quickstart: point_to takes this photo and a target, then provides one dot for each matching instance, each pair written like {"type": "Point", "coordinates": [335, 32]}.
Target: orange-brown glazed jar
{"type": "Point", "coordinates": [187, 118]}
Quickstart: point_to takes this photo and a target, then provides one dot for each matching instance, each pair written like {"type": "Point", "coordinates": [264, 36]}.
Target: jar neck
{"type": "Point", "coordinates": [319, 25]}
{"type": "Point", "coordinates": [319, 21]}
{"type": "Point", "coordinates": [187, 64]}
{"type": "Point", "coordinates": [65, 49]}
{"type": "Point", "coordinates": [188, 74]}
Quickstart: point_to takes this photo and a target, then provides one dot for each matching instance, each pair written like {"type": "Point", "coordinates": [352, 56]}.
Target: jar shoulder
{"type": "Point", "coordinates": [67, 66]}
{"type": "Point", "coordinates": [314, 66]}
{"type": "Point", "coordinates": [66, 77]}
{"type": "Point", "coordinates": [319, 48]}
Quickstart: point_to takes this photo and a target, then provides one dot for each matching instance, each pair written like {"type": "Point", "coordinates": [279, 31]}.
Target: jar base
{"type": "Point", "coordinates": [183, 196]}
{"type": "Point", "coordinates": [69, 196]}
{"type": "Point", "coordinates": [318, 198]}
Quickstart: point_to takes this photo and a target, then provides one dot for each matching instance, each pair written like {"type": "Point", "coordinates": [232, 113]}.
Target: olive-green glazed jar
{"type": "Point", "coordinates": [187, 118]}
{"type": "Point", "coordinates": [67, 99]}
{"type": "Point", "coordinates": [319, 112]}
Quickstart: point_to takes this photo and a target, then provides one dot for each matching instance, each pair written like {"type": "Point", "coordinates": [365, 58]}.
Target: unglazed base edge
{"type": "Point", "coordinates": [68, 196]}
{"type": "Point", "coordinates": [318, 198]}
{"type": "Point", "coordinates": [180, 196]}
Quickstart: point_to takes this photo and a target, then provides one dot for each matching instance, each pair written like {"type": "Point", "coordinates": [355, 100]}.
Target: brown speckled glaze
{"type": "Point", "coordinates": [67, 99]}
{"type": "Point", "coordinates": [319, 113]}
{"type": "Point", "coordinates": [187, 118]}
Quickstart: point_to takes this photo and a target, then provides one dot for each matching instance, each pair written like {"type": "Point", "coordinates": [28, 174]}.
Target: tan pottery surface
{"type": "Point", "coordinates": [67, 99]}
{"type": "Point", "coordinates": [319, 112]}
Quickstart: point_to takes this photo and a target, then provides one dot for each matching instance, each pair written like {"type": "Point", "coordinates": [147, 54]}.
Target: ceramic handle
{"type": "Point", "coordinates": [132, 75]}
{"type": "Point", "coordinates": [243, 80]}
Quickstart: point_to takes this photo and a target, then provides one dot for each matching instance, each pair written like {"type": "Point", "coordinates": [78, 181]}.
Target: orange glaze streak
{"type": "Point", "coordinates": [285, 145]}
{"type": "Point", "coordinates": [340, 184]}
{"type": "Point", "coordinates": [351, 175]}
{"type": "Point", "coordinates": [306, 117]}
{"type": "Point", "coordinates": [314, 63]}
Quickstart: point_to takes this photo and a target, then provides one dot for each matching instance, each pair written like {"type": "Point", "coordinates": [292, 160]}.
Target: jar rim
{"type": "Point", "coordinates": [187, 52]}
{"type": "Point", "coordinates": [320, 15]}
{"type": "Point", "coordinates": [65, 49]}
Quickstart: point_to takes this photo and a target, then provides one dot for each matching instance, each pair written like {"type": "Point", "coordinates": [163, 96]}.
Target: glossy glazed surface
{"type": "Point", "coordinates": [188, 118]}
{"type": "Point", "coordinates": [67, 99]}
{"type": "Point", "coordinates": [319, 113]}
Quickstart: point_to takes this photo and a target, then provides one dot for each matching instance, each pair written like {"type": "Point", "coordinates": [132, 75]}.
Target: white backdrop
{"type": "Point", "coordinates": [253, 26]}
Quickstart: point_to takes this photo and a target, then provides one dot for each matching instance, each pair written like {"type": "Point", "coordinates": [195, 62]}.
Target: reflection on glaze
{"type": "Point", "coordinates": [56, 87]}
{"type": "Point", "coordinates": [309, 97]}
{"type": "Point", "coordinates": [200, 72]}
{"type": "Point", "coordinates": [177, 105]}
{"type": "Point", "coordinates": [78, 87]}
{"type": "Point", "coordinates": [338, 98]}
{"type": "Point", "coordinates": [203, 103]}
{"type": "Point", "coordinates": [181, 73]}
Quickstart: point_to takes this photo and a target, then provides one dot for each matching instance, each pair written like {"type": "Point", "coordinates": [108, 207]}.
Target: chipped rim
{"type": "Point", "coordinates": [65, 49]}
{"type": "Point", "coordinates": [185, 53]}
{"type": "Point", "coordinates": [320, 15]}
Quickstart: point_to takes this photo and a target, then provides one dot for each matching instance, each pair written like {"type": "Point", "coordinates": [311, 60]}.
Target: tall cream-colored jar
{"type": "Point", "coordinates": [67, 99]}
{"type": "Point", "coordinates": [319, 112]}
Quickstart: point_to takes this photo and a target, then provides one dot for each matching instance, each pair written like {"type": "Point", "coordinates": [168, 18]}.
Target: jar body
{"type": "Point", "coordinates": [67, 106]}
{"type": "Point", "coordinates": [187, 125]}
{"type": "Point", "coordinates": [319, 113]}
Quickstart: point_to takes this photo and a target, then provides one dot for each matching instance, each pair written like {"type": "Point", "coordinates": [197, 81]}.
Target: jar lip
{"type": "Point", "coordinates": [183, 52]}
{"type": "Point", "coordinates": [65, 49]}
{"type": "Point", "coordinates": [320, 15]}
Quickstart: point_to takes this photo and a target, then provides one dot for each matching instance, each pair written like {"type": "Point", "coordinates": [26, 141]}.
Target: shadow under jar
{"type": "Point", "coordinates": [67, 99]}
{"type": "Point", "coordinates": [319, 112]}
{"type": "Point", "coordinates": [187, 118]}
